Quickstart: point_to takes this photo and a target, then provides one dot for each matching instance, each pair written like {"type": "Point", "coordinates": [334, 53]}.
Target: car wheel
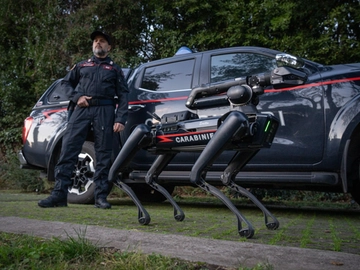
{"type": "Point", "coordinates": [147, 194]}
{"type": "Point", "coordinates": [82, 191]}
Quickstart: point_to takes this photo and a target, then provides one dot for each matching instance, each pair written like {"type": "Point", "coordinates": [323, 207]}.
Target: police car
{"type": "Point", "coordinates": [317, 145]}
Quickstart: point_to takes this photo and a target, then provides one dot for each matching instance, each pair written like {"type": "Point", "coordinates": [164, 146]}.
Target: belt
{"type": "Point", "coordinates": [100, 102]}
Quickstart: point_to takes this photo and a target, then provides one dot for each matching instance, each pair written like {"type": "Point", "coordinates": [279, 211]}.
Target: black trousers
{"type": "Point", "coordinates": [102, 120]}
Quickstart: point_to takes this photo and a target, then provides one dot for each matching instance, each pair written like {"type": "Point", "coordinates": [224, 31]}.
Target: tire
{"type": "Point", "coordinates": [82, 191]}
{"type": "Point", "coordinates": [147, 194]}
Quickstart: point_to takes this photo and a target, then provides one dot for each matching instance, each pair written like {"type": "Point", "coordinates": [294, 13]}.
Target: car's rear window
{"type": "Point", "coordinates": [169, 77]}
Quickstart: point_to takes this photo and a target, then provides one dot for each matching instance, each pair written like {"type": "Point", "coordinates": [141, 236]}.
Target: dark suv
{"type": "Point", "coordinates": [317, 145]}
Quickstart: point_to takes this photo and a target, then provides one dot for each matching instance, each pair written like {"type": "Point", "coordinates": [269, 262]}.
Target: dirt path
{"type": "Point", "coordinates": [219, 252]}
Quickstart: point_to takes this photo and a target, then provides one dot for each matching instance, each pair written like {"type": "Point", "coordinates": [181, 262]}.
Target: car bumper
{"type": "Point", "coordinates": [23, 162]}
{"type": "Point", "coordinates": [22, 158]}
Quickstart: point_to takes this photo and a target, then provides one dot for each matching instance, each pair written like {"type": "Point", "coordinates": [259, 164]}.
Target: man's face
{"type": "Point", "coordinates": [100, 46]}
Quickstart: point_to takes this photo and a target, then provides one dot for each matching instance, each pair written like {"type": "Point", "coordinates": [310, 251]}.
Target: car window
{"type": "Point", "coordinates": [229, 66]}
{"type": "Point", "coordinates": [57, 94]}
{"type": "Point", "coordinates": [171, 76]}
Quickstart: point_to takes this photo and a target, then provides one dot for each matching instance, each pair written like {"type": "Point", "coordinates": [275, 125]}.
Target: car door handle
{"type": "Point", "coordinates": [135, 107]}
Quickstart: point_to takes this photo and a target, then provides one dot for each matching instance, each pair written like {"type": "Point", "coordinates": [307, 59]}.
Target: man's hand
{"type": "Point", "coordinates": [118, 127]}
{"type": "Point", "coordinates": [82, 101]}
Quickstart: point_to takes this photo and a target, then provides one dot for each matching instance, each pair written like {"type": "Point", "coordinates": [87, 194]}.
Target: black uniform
{"type": "Point", "coordinates": [104, 81]}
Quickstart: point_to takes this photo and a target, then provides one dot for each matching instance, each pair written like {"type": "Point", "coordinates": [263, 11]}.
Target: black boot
{"type": "Point", "coordinates": [58, 196]}
{"type": "Point", "coordinates": [102, 203]}
{"type": "Point", "coordinates": [54, 200]}
{"type": "Point", "coordinates": [102, 190]}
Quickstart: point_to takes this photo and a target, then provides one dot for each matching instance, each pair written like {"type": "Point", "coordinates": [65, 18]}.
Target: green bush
{"type": "Point", "coordinates": [12, 177]}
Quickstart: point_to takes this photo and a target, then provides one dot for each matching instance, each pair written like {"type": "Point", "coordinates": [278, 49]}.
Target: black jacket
{"type": "Point", "coordinates": [100, 79]}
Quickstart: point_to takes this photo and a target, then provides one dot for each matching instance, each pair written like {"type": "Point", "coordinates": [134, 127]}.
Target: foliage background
{"type": "Point", "coordinates": [42, 39]}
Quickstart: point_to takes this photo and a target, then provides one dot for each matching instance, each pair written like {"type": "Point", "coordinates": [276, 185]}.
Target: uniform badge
{"type": "Point", "coordinates": [108, 67]}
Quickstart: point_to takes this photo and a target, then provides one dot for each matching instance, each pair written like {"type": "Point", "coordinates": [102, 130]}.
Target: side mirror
{"type": "Point", "coordinates": [287, 77]}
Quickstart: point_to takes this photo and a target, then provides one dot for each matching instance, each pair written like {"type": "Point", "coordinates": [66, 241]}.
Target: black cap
{"type": "Point", "coordinates": [100, 33]}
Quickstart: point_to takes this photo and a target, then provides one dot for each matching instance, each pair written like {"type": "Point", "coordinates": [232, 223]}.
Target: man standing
{"type": "Point", "coordinates": [94, 86]}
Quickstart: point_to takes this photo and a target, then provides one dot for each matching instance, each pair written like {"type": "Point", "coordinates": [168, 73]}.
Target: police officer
{"type": "Point", "coordinates": [95, 87]}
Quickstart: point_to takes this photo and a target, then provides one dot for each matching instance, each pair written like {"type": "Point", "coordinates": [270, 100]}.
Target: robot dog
{"type": "Point", "coordinates": [242, 129]}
